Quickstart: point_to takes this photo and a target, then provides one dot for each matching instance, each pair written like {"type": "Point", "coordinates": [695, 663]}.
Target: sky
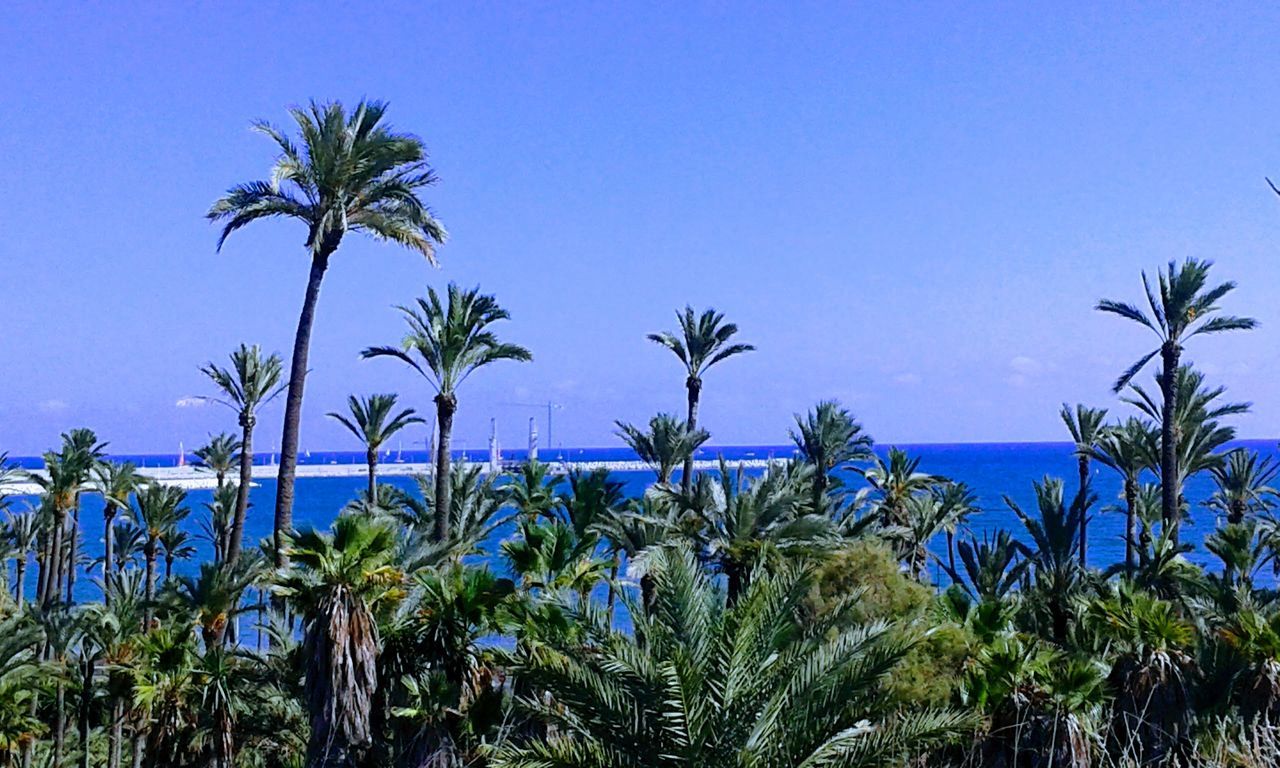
{"type": "Point", "coordinates": [911, 208]}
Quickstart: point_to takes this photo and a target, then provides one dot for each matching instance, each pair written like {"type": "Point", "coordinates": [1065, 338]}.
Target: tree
{"type": "Point", "coordinates": [373, 424]}
{"type": "Point", "coordinates": [1086, 426]}
{"type": "Point", "coordinates": [1182, 308]}
{"type": "Point", "coordinates": [703, 341]}
{"type": "Point", "coordinates": [219, 455]}
{"type": "Point", "coordinates": [706, 685]}
{"type": "Point", "coordinates": [1054, 548]}
{"type": "Point", "coordinates": [251, 382]}
{"type": "Point", "coordinates": [23, 530]}
{"type": "Point", "coordinates": [339, 582]}
{"type": "Point", "coordinates": [1243, 485]}
{"type": "Point", "coordinates": [159, 509]}
{"type": "Point", "coordinates": [1129, 449]}
{"type": "Point", "coordinates": [829, 438]}
{"type": "Point", "coordinates": [891, 483]}
{"type": "Point", "coordinates": [453, 339]}
{"type": "Point", "coordinates": [117, 482]}
{"type": "Point", "coordinates": [352, 172]}
{"type": "Point", "coordinates": [665, 446]}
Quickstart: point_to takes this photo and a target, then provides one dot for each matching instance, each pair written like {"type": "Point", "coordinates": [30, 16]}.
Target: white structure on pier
{"type": "Point", "coordinates": [495, 451]}
{"type": "Point", "coordinates": [533, 439]}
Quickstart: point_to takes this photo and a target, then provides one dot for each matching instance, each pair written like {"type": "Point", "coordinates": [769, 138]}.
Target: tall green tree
{"type": "Point", "coordinates": [339, 583]}
{"type": "Point", "coordinates": [251, 382]}
{"type": "Point", "coordinates": [1183, 305]}
{"type": "Point", "coordinates": [347, 172]}
{"type": "Point", "coordinates": [159, 508]}
{"type": "Point", "coordinates": [1243, 485]}
{"type": "Point", "coordinates": [220, 455]}
{"type": "Point", "coordinates": [667, 444]}
{"type": "Point", "coordinates": [453, 338]}
{"type": "Point", "coordinates": [117, 482]}
{"type": "Point", "coordinates": [373, 422]}
{"type": "Point", "coordinates": [828, 437]}
{"type": "Point", "coordinates": [1129, 449]}
{"type": "Point", "coordinates": [703, 341]}
{"type": "Point", "coordinates": [1086, 426]}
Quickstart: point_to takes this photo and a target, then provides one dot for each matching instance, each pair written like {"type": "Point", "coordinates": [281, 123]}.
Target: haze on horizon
{"type": "Point", "coordinates": [910, 210]}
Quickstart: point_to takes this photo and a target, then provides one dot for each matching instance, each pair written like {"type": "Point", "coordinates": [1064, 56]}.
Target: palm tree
{"type": "Point", "coordinates": [177, 545]}
{"type": "Point", "coordinates": [1085, 425]}
{"type": "Point", "coordinates": [219, 455]}
{"type": "Point", "coordinates": [454, 340]}
{"type": "Point", "coordinates": [828, 437]}
{"type": "Point", "coordinates": [1243, 483]}
{"type": "Point", "coordinates": [251, 382]}
{"type": "Point", "coordinates": [1054, 547]}
{"type": "Point", "coordinates": [159, 509]}
{"type": "Point", "coordinates": [373, 424]}
{"type": "Point", "coordinates": [533, 490]}
{"type": "Point", "coordinates": [704, 340]}
{"type": "Point", "coordinates": [83, 451]}
{"type": "Point", "coordinates": [351, 173]}
{"type": "Point", "coordinates": [339, 582]}
{"type": "Point", "coordinates": [702, 683]}
{"type": "Point", "coordinates": [23, 530]}
{"type": "Point", "coordinates": [891, 483]}
{"type": "Point", "coordinates": [221, 512]}
{"type": "Point", "coordinates": [958, 502]}
{"type": "Point", "coordinates": [1129, 449]}
{"type": "Point", "coordinates": [992, 567]}
{"type": "Point", "coordinates": [667, 444]}
{"type": "Point", "coordinates": [1182, 308]}
{"type": "Point", "coordinates": [117, 482]}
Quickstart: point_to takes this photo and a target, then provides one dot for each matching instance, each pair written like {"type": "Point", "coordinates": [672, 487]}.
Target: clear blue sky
{"type": "Point", "coordinates": [911, 209]}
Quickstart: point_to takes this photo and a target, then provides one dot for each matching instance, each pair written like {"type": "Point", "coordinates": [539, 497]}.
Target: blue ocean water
{"type": "Point", "coordinates": [993, 470]}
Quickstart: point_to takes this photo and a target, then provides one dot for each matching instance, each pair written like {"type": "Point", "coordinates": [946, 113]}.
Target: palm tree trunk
{"type": "Point", "coordinates": [86, 701]}
{"type": "Point", "coordinates": [168, 565]}
{"type": "Point", "coordinates": [613, 588]}
{"type": "Point", "coordinates": [59, 723]}
{"type": "Point", "coordinates": [236, 539]}
{"type": "Point", "coordinates": [72, 552]}
{"type": "Point", "coordinates": [951, 555]}
{"type": "Point", "coordinates": [1083, 465]}
{"type": "Point", "coordinates": [20, 575]}
{"type": "Point", "coordinates": [139, 747]}
{"type": "Point", "coordinates": [109, 537]}
{"type": "Point", "coordinates": [694, 387]}
{"type": "Point", "coordinates": [372, 458]}
{"type": "Point", "coordinates": [1169, 490]}
{"type": "Point", "coordinates": [150, 551]}
{"type": "Point", "coordinates": [116, 737]}
{"type": "Point", "coordinates": [1130, 520]}
{"type": "Point", "coordinates": [293, 402]}
{"type": "Point", "coordinates": [53, 566]}
{"type": "Point", "coordinates": [446, 406]}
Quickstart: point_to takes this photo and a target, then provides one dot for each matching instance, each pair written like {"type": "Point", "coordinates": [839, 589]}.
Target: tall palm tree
{"type": "Point", "coordinates": [703, 683]}
{"type": "Point", "coordinates": [1128, 449]}
{"type": "Point", "coordinates": [828, 437]}
{"type": "Point", "coordinates": [453, 339]}
{"type": "Point", "coordinates": [251, 382]}
{"type": "Point", "coordinates": [220, 455]}
{"type": "Point", "coordinates": [1182, 307]}
{"type": "Point", "coordinates": [1085, 425]}
{"type": "Point", "coordinates": [1054, 547]}
{"type": "Point", "coordinates": [958, 502]}
{"type": "Point", "coordinates": [351, 172]}
{"type": "Point", "coordinates": [373, 423]}
{"type": "Point", "coordinates": [891, 483]}
{"type": "Point", "coordinates": [159, 508]}
{"type": "Point", "coordinates": [703, 341]}
{"type": "Point", "coordinates": [117, 482]}
{"type": "Point", "coordinates": [1243, 485]}
{"type": "Point", "coordinates": [85, 450]}
{"type": "Point", "coordinates": [665, 446]}
{"type": "Point", "coordinates": [339, 583]}
{"type": "Point", "coordinates": [24, 531]}
{"type": "Point", "coordinates": [177, 545]}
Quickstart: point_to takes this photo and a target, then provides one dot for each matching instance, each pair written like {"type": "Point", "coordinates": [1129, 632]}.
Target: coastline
{"type": "Point", "coordinates": [195, 478]}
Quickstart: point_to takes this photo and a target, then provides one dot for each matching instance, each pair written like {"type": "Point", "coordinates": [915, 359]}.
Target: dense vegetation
{"type": "Point", "coordinates": [721, 618]}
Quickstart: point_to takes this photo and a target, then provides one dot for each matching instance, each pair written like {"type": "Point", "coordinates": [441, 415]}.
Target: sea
{"type": "Point", "coordinates": [999, 474]}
